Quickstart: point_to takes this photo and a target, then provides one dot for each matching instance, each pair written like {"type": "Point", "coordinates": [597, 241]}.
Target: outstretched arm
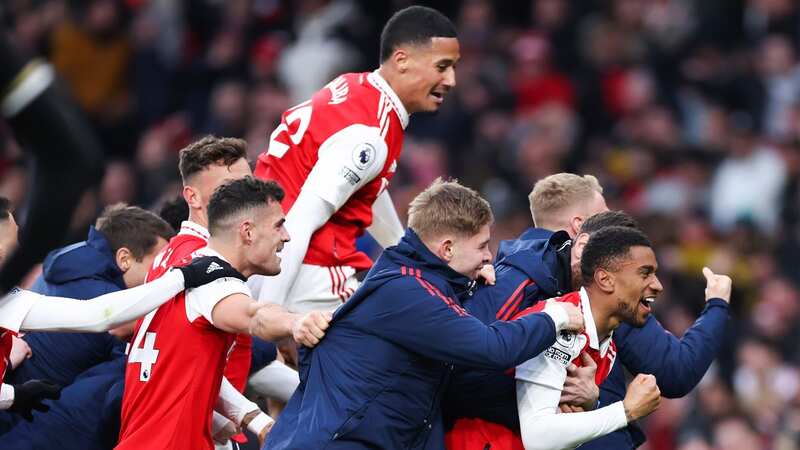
{"type": "Point", "coordinates": [679, 364]}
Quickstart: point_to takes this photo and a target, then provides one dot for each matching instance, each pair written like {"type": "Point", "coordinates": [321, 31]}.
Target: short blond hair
{"type": "Point", "coordinates": [555, 193]}
{"type": "Point", "coordinates": [448, 207]}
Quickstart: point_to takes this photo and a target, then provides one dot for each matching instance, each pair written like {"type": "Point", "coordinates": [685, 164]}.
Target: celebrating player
{"type": "Point", "coordinates": [336, 153]}
{"type": "Point", "coordinates": [177, 357]}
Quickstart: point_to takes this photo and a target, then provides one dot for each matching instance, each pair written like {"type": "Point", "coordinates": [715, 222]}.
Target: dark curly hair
{"type": "Point", "coordinates": [608, 247]}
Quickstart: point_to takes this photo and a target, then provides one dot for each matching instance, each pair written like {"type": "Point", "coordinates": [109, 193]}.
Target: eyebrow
{"type": "Point", "coordinates": [447, 61]}
{"type": "Point", "coordinates": [647, 269]}
{"type": "Point", "coordinates": [280, 222]}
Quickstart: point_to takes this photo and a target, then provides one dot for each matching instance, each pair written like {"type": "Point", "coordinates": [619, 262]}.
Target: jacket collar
{"type": "Point", "coordinates": [412, 247]}
{"type": "Point", "coordinates": [543, 256]}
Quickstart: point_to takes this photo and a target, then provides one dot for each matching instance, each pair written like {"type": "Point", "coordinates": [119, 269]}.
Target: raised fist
{"type": "Point", "coordinates": [717, 286]}
{"type": "Point", "coordinates": [642, 398]}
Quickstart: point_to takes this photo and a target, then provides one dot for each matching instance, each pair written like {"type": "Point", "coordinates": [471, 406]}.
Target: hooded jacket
{"type": "Point", "coordinates": [83, 270]}
{"type": "Point", "coordinates": [539, 261]}
{"type": "Point", "coordinates": [377, 378]}
{"type": "Point", "coordinates": [528, 269]}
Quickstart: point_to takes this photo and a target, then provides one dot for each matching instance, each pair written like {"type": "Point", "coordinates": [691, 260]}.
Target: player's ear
{"type": "Point", "coordinates": [124, 259]}
{"type": "Point", "coordinates": [192, 197]}
{"type": "Point", "coordinates": [246, 232]}
{"type": "Point", "coordinates": [445, 249]}
{"type": "Point", "coordinates": [604, 280]}
{"type": "Point", "coordinates": [577, 246]}
{"type": "Point", "coordinates": [400, 59]}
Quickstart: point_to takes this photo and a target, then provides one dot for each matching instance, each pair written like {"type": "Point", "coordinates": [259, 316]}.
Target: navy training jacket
{"type": "Point", "coordinates": [527, 270]}
{"type": "Point", "coordinates": [378, 377]}
{"type": "Point", "coordinates": [83, 270]}
{"type": "Point", "coordinates": [678, 364]}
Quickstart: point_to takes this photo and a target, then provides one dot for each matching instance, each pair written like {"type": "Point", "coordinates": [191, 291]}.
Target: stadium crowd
{"type": "Point", "coordinates": [688, 113]}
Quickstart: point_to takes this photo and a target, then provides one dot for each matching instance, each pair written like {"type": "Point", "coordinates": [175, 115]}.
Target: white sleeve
{"type": "Point", "coordinates": [232, 404]}
{"type": "Point", "coordinates": [308, 213]}
{"type": "Point", "coordinates": [201, 300]}
{"type": "Point", "coordinates": [14, 306]}
{"type": "Point", "coordinates": [386, 227]}
{"type": "Point", "coordinates": [539, 384]}
{"type": "Point", "coordinates": [346, 161]}
{"type": "Point", "coordinates": [276, 380]}
{"type": "Point", "coordinates": [104, 312]}
{"type": "Point", "coordinates": [6, 396]}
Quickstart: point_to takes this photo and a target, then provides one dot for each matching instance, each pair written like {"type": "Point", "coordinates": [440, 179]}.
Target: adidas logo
{"type": "Point", "coordinates": [213, 266]}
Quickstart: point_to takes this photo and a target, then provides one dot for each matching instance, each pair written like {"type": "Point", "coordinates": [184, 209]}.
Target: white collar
{"type": "Point", "coordinates": [382, 85]}
{"type": "Point", "coordinates": [194, 229]}
{"type": "Point", "coordinates": [591, 327]}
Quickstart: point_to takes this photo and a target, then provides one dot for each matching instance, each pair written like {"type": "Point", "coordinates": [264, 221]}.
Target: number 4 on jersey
{"type": "Point", "coordinates": [147, 354]}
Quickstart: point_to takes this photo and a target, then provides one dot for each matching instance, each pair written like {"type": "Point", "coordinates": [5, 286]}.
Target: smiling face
{"type": "Point", "coordinates": [264, 237]}
{"type": "Point", "coordinates": [468, 254]}
{"type": "Point", "coordinates": [427, 73]}
{"type": "Point", "coordinates": [636, 286]}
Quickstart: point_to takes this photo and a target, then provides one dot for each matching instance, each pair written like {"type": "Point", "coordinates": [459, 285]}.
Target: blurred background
{"type": "Point", "coordinates": [688, 111]}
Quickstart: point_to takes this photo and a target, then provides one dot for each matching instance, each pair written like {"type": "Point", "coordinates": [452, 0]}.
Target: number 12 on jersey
{"type": "Point", "coordinates": [147, 354]}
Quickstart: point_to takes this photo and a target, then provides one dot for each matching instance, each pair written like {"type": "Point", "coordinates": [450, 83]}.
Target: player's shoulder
{"type": "Point", "coordinates": [350, 95]}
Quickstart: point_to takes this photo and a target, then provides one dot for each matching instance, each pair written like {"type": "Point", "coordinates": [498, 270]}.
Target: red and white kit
{"type": "Point", "coordinates": [341, 146]}
{"type": "Point", "coordinates": [539, 384]}
{"type": "Point", "coordinates": [174, 370]}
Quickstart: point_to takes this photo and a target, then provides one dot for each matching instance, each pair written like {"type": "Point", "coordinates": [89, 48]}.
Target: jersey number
{"type": "Point", "coordinates": [147, 354]}
{"type": "Point", "coordinates": [302, 114]}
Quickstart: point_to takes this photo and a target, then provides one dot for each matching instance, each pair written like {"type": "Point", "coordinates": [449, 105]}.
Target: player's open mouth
{"type": "Point", "coordinates": [647, 303]}
{"type": "Point", "coordinates": [438, 96]}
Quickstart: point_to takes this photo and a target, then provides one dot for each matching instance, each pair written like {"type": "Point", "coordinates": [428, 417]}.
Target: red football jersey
{"type": "Point", "coordinates": [326, 123]}
{"type": "Point", "coordinates": [5, 350]}
{"type": "Point", "coordinates": [174, 370]}
{"type": "Point", "coordinates": [191, 238]}
{"type": "Point", "coordinates": [469, 433]}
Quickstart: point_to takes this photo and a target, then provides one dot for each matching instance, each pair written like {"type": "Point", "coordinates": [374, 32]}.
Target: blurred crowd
{"type": "Point", "coordinates": [688, 111]}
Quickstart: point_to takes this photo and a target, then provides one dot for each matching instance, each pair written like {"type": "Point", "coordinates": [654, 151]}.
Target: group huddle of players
{"type": "Point", "coordinates": [272, 253]}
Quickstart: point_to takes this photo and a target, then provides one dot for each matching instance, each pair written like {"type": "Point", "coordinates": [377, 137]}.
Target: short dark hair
{"type": "Point", "coordinates": [5, 209]}
{"type": "Point", "coordinates": [608, 219]}
{"type": "Point", "coordinates": [239, 195]}
{"type": "Point", "coordinates": [174, 212]}
{"type": "Point", "coordinates": [132, 227]}
{"type": "Point", "coordinates": [607, 247]}
{"type": "Point", "coordinates": [414, 25]}
{"type": "Point", "coordinates": [208, 151]}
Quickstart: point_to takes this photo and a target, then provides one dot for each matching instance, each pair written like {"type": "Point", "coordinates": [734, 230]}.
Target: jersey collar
{"type": "Point", "coordinates": [591, 327]}
{"type": "Point", "coordinates": [382, 85]}
{"type": "Point", "coordinates": [194, 229]}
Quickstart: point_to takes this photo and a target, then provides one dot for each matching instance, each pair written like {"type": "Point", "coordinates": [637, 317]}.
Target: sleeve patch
{"type": "Point", "coordinates": [558, 355]}
{"type": "Point", "coordinates": [363, 156]}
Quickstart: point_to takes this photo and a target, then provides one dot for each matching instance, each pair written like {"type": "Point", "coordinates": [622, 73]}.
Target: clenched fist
{"type": "Point", "coordinates": [310, 329]}
{"type": "Point", "coordinates": [574, 315]}
{"type": "Point", "coordinates": [717, 286]}
{"type": "Point", "coordinates": [642, 398]}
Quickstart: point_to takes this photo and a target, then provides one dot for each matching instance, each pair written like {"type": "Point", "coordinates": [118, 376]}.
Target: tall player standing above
{"type": "Point", "coordinates": [178, 354]}
{"type": "Point", "coordinates": [336, 153]}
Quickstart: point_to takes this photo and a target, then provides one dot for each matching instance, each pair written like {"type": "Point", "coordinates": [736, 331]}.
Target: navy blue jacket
{"type": "Point", "coordinates": [83, 270]}
{"type": "Point", "coordinates": [86, 417]}
{"type": "Point", "coordinates": [487, 393]}
{"type": "Point", "coordinates": [377, 378]}
{"type": "Point", "coordinates": [537, 255]}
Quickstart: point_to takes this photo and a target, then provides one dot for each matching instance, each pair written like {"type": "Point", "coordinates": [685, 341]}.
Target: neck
{"type": "Point", "coordinates": [603, 307]}
{"type": "Point", "coordinates": [231, 253]}
{"type": "Point", "coordinates": [198, 217]}
{"type": "Point", "coordinates": [392, 77]}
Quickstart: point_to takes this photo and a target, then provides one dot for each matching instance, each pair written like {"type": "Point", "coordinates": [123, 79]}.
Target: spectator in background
{"type": "Point", "coordinates": [747, 185]}
{"type": "Point", "coordinates": [116, 255]}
